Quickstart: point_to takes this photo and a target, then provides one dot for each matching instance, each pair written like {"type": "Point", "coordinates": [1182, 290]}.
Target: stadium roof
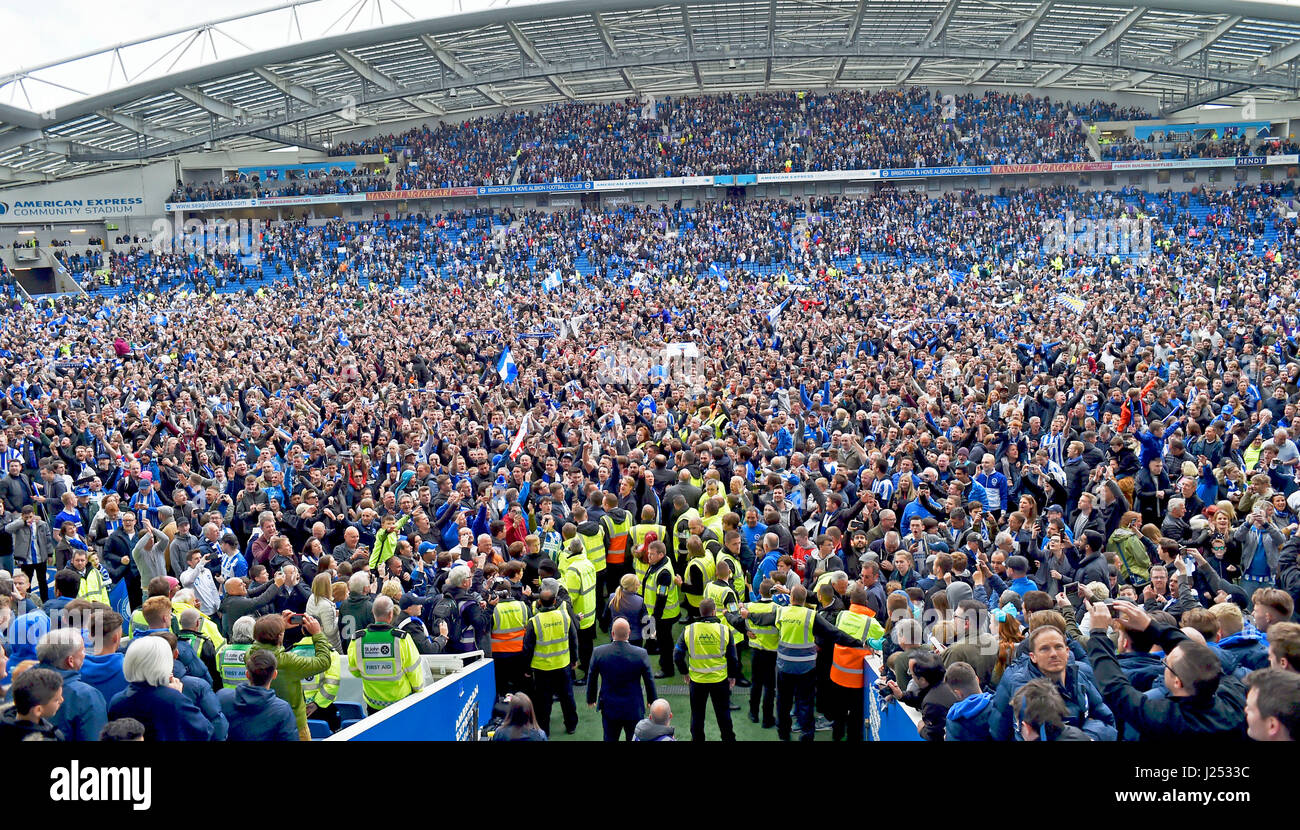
{"type": "Point", "coordinates": [298, 73]}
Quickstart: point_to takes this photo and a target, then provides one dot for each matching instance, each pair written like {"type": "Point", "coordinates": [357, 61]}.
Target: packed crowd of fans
{"type": "Point", "coordinates": [1133, 149]}
{"type": "Point", "coordinates": [1062, 520]}
{"type": "Point", "coordinates": [953, 231]}
{"type": "Point", "coordinates": [335, 181]}
{"type": "Point", "coordinates": [730, 134]}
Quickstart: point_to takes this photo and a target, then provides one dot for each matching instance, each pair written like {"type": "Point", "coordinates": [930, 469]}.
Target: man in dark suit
{"type": "Point", "coordinates": [682, 488]}
{"type": "Point", "coordinates": [623, 667]}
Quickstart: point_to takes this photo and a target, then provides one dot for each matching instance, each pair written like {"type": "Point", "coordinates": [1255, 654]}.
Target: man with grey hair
{"type": "Point", "coordinates": [474, 626]}
{"type": "Point", "coordinates": [84, 711]}
{"type": "Point", "coordinates": [355, 612]}
{"type": "Point", "coordinates": [386, 660]}
{"type": "Point", "coordinates": [1175, 525]}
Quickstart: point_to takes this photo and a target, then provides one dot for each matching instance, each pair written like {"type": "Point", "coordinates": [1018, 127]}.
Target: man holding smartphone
{"type": "Point", "coordinates": [291, 669]}
{"type": "Point", "coordinates": [198, 577]}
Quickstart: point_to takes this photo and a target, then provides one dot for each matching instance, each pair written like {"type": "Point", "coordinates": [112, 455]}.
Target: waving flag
{"type": "Point", "coordinates": [517, 443]}
{"type": "Point", "coordinates": [506, 366]}
{"type": "Point", "coordinates": [774, 313]}
{"type": "Point", "coordinates": [1075, 304]}
{"type": "Point", "coordinates": [552, 281]}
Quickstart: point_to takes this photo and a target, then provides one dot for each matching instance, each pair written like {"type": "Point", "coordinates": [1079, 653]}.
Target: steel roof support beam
{"type": "Point", "coordinates": [608, 39]}
{"type": "Point", "coordinates": [295, 91]}
{"type": "Point", "coordinates": [1112, 34]}
{"type": "Point", "coordinates": [530, 51]}
{"type": "Point", "coordinates": [690, 45]}
{"type": "Point", "coordinates": [937, 28]}
{"type": "Point", "coordinates": [140, 127]}
{"type": "Point", "coordinates": [217, 107]}
{"type": "Point", "coordinates": [379, 79]}
{"type": "Point", "coordinates": [444, 56]}
{"type": "Point", "coordinates": [1024, 30]}
{"type": "Point", "coordinates": [1189, 49]}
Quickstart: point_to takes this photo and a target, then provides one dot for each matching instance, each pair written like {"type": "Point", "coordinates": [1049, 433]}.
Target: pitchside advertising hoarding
{"type": "Point", "coordinates": [127, 193]}
{"type": "Point", "coordinates": [754, 178]}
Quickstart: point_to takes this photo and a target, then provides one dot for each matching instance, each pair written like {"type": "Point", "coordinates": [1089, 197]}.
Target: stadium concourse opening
{"type": "Point", "coordinates": [642, 384]}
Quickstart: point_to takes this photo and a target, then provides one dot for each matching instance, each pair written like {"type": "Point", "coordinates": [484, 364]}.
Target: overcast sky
{"type": "Point", "coordinates": [43, 31]}
{"type": "Point", "coordinates": [39, 31]}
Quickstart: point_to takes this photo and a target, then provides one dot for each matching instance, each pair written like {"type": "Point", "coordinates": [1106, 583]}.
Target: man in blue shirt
{"type": "Point", "coordinates": [1018, 570]}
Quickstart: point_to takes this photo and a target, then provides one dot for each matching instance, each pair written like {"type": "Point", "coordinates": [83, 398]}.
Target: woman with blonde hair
{"type": "Point", "coordinates": [392, 589]}
{"type": "Point", "coordinates": [626, 603]}
{"type": "Point", "coordinates": [321, 606]}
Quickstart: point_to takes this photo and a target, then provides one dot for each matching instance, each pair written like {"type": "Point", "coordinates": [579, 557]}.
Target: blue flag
{"type": "Point", "coordinates": [121, 603]}
{"type": "Point", "coordinates": [552, 280]}
{"type": "Point", "coordinates": [774, 313]}
{"type": "Point", "coordinates": [506, 366]}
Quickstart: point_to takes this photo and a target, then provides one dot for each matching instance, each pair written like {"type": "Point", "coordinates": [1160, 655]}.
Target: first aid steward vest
{"type": "Point", "coordinates": [230, 662]}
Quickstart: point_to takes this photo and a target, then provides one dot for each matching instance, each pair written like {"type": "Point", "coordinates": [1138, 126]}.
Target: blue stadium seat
{"type": "Point", "coordinates": [319, 729]}
{"type": "Point", "coordinates": [349, 710]}
{"type": "Point", "coordinates": [345, 724]}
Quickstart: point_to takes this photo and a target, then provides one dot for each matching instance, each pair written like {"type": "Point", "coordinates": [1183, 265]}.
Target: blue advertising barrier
{"type": "Point", "coordinates": [885, 721]}
{"type": "Point", "coordinates": [552, 187]}
{"type": "Point", "coordinates": [452, 709]}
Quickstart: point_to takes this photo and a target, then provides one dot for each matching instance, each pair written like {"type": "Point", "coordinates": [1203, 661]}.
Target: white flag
{"type": "Point", "coordinates": [518, 443]}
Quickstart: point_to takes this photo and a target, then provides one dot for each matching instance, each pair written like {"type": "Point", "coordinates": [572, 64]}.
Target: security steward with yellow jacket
{"type": "Point", "coordinates": [638, 535]}
{"type": "Point", "coordinates": [385, 659]}
{"type": "Point", "coordinates": [551, 649]}
{"type": "Point", "coordinates": [697, 573]}
{"type": "Point", "coordinates": [762, 646]}
{"type": "Point", "coordinates": [592, 536]}
{"type": "Point", "coordinates": [661, 590]}
{"type": "Point", "coordinates": [707, 653]}
{"type": "Point", "coordinates": [798, 630]}
{"type": "Point", "coordinates": [581, 579]}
